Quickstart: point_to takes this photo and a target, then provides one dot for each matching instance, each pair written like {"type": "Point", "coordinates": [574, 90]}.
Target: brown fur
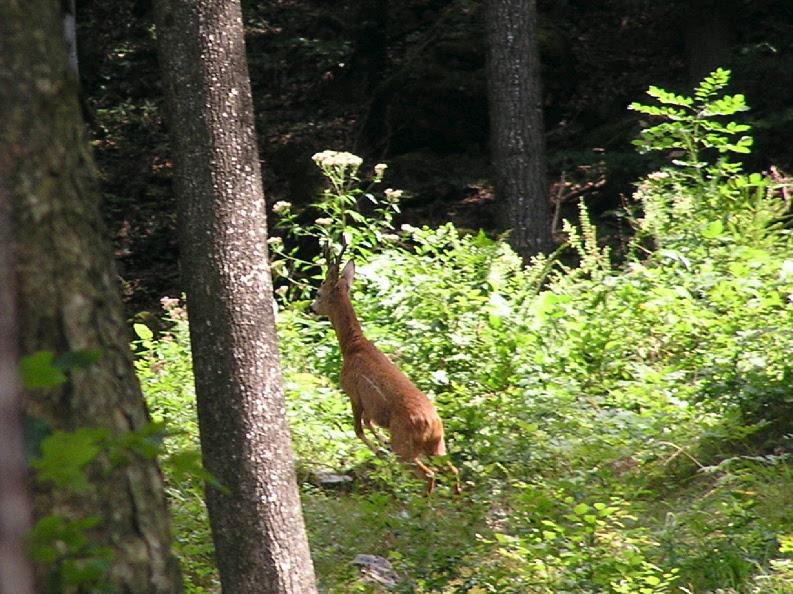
{"type": "Point", "coordinates": [380, 394]}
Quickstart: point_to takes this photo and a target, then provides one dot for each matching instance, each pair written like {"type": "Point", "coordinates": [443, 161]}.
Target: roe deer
{"type": "Point", "coordinates": [379, 392]}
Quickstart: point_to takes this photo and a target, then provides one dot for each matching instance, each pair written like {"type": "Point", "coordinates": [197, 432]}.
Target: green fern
{"type": "Point", "coordinates": [691, 126]}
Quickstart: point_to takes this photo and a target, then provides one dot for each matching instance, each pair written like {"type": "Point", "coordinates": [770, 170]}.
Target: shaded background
{"type": "Point", "coordinates": [404, 82]}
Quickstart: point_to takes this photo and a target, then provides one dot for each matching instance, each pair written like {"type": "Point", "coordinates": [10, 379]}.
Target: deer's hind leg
{"type": "Point", "coordinates": [436, 446]}
{"type": "Point", "coordinates": [405, 449]}
{"type": "Point", "coordinates": [425, 471]}
{"type": "Point", "coordinates": [456, 474]}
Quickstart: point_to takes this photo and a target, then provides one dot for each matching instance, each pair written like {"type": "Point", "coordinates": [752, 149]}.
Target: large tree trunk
{"type": "Point", "coordinates": [517, 135]}
{"type": "Point", "coordinates": [68, 295]}
{"type": "Point", "coordinates": [257, 526]}
{"type": "Point", "coordinates": [15, 517]}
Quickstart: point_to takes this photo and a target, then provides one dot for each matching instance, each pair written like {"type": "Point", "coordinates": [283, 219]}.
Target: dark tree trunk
{"type": "Point", "coordinates": [257, 526]}
{"type": "Point", "coordinates": [15, 517]}
{"type": "Point", "coordinates": [370, 56]}
{"type": "Point", "coordinates": [709, 34]}
{"type": "Point", "coordinates": [68, 296]}
{"type": "Point", "coordinates": [517, 135]}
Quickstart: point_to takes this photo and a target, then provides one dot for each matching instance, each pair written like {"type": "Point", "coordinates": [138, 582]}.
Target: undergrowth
{"type": "Point", "coordinates": [618, 428]}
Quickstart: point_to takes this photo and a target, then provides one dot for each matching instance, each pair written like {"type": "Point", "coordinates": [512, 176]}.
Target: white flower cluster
{"type": "Point", "coordinates": [281, 206]}
{"type": "Point", "coordinates": [392, 195]}
{"type": "Point", "coordinates": [174, 308]}
{"type": "Point", "coordinates": [336, 159]}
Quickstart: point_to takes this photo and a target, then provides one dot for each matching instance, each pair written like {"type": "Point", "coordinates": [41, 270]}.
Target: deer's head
{"type": "Point", "coordinates": [335, 287]}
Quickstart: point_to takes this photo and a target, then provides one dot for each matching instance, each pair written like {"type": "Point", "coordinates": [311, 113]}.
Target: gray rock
{"type": "Point", "coordinates": [377, 569]}
{"type": "Point", "coordinates": [328, 479]}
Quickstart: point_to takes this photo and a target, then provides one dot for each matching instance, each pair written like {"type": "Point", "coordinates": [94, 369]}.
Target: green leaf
{"type": "Point", "coordinates": [735, 128]}
{"type": "Point", "coordinates": [187, 464]}
{"type": "Point", "coordinates": [713, 230]}
{"type": "Point", "coordinates": [35, 430]}
{"type": "Point", "coordinates": [669, 98]}
{"type": "Point", "coordinates": [77, 359]}
{"type": "Point", "coordinates": [727, 105]}
{"type": "Point", "coordinates": [742, 146]}
{"type": "Point", "coordinates": [143, 332]}
{"type": "Point", "coordinates": [737, 148]}
{"type": "Point", "coordinates": [755, 178]}
{"type": "Point", "coordinates": [53, 536]}
{"type": "Point", "coordinates": [546, 303]}
{"type": "Point", "coordinates": [713, 83]}
{"type": "Point", "coordinates": [145, 442]}
{"type": "Point", "coordinates": [64, 456]}
{"type": "Point", "coordinates": [654, 110]}
{"type": "Point", "coordinates": [581, 509]}
{"type": "Point", "coordinates": [82, 572]}
{"type": "Point", "coordinates": [39, 371]}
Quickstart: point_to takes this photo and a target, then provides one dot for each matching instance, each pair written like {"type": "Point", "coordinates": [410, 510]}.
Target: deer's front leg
{"type": "Point", "coordinates": [358, 418]}
{"type": "Point", "coordinates": [374, 431]}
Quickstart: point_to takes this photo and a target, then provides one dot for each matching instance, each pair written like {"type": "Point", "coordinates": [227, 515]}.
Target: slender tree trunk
{"type": "Point", "coordinates": [68, 295]}
{"type": "Point", "coordinates": [257, 527]}
{"type": "Point", "coordinates": [15, 516]}
{"type": "Point", "coordinates": [517, 135]}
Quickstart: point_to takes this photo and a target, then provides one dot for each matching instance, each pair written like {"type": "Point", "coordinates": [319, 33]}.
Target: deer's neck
{"type": "Point", "coordinates": [347, 327]}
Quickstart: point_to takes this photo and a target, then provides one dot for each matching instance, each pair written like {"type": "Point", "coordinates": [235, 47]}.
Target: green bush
{"type": "Point", "coordinates": [165, 372]}
{"type": "Point", "coordinates": [618, 428]}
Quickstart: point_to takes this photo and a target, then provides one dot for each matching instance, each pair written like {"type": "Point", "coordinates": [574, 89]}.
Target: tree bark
{"type": "Point", "coordinates": [517, 135]}
{"type": "Point", "coordinates": [257, 526]}
{"type": "Point", "coordinates": [69, 16]}
{"type": "Point", "coordinates": [370, 55]}
{"type": "Point", "coordinates": [709, 31]}
{"type": "Point", "coordinates": [15, 516]}
{"type": "Point", "coordinates": [68, 296]}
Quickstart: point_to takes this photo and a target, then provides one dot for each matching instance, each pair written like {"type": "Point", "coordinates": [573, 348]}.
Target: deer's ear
{"type": "Point", "coordinates": [348, 273]}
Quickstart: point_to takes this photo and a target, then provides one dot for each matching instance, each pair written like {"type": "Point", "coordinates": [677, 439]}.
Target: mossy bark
{"type": "Point", "coordinates": [257, 525]}
{"type": "Point", "coordinates": [69, 298]}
